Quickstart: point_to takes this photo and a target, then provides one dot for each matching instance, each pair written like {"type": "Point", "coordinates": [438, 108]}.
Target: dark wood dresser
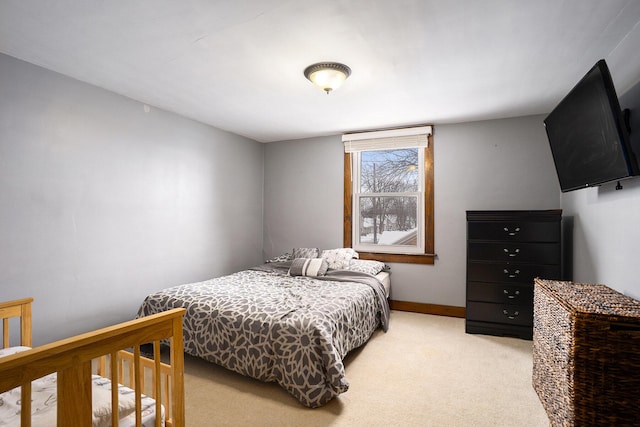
{"type": "Point", "coordinates": [506, 250]}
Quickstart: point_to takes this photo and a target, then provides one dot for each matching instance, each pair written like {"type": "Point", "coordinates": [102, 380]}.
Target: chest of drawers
{"type": "Point", "coordinates": [506, 250]}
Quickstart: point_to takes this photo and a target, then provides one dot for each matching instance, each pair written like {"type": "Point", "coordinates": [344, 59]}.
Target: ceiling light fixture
{"type": "Point", "coordinates": [327, 75]}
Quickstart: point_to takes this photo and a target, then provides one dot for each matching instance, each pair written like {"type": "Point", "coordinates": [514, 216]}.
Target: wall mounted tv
{"type": "Point", "coordinates": [589, 135]}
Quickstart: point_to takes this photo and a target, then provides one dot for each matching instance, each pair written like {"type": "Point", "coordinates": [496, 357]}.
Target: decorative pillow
{"type": "Point", "coordinates": [339, 259]}
{"type": "Point", "coordinates": [367, 266]}
{"type": "Point", "coordinates": [308, 267]}
{"type": "Point", "coordinates": [305, 253]}
{"type": "Point", "coordinates": [280, 258]}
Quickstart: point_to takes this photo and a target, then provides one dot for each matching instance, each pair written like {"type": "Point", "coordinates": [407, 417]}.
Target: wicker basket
{"type": "Point", "coordinates": [586, 354]}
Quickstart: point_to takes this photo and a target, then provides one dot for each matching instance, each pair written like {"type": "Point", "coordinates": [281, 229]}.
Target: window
{"type": "Point", "coordinates": [388, 212]}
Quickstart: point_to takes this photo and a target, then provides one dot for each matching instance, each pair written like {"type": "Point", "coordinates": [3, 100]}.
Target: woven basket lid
{"type": "Point", "coordinates": [591, 298]}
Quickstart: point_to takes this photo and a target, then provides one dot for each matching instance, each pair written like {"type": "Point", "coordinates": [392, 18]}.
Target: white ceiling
{"type": "Point", "coordinates": [237, 64]}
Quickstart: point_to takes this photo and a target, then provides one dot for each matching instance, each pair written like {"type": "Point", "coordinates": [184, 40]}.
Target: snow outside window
{"type": "Point", "coordinates": [388, 194]}
{"type": "Point", "coordinates": [388, 201]}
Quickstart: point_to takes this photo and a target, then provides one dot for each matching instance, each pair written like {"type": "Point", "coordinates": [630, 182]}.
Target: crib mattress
{"type": "Point", "coordinates": [44, 398]}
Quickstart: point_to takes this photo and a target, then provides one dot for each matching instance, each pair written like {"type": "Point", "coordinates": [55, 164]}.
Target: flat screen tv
{"type": "Point", "coordinates": [589, 135]}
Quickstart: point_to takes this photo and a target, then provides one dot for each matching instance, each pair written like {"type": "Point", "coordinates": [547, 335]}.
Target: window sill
{"type": "Point", "coordinates": [399, 258]}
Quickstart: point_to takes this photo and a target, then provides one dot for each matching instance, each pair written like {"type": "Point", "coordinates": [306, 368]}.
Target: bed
{"type": "Point", "coordinates": [68, 382]}
{"type": "Point", "coordinates": [278, 323]}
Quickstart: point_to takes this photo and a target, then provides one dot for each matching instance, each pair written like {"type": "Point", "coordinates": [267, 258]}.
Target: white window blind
{"type": "Point", "coordinates": [386, 139]}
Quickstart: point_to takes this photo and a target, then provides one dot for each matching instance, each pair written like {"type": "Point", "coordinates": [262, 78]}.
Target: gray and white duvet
{"type": "Point", "coordinates": [274, 327]}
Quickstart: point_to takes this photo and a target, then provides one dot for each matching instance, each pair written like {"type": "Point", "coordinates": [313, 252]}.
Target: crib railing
{"type": "Point", "coordinates": [72, 359]}
{"type": "Point", "coordinates": [20, 309]}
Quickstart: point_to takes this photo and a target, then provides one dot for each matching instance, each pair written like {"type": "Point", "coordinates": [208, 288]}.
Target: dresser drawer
{"type": "Point", "coordinates": [500, 313]}
{"type": "Point", "coordinates": [514, 231]}
{"type": "Point", "coordinates": [538, 253]}
{"type": "Point", "coordinates": [502, 272]}
{"type": "Point", "coordinates": [500, 293]}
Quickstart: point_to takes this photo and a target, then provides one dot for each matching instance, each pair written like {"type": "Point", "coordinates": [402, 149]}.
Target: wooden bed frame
{"type": "Point", "coordinates": [103, 352]}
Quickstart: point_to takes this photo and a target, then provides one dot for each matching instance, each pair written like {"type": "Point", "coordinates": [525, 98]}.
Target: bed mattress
{"type": "Point", "coordinates": [385, 278]}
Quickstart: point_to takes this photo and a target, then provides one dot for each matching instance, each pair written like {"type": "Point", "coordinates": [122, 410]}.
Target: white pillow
{"type": "Point", "coordinates": [280, 258]}
{"type": "Point", "coordinates": [367, 266]}
{"type": "Point", "coordinates": [339, 259]}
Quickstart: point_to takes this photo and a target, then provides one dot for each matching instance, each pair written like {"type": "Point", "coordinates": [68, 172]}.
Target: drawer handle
{"type": "Point", "coordinates": [511, 233]}
{"type": "Point", "coordinates": [511, 275]}
{"type": "Point", "coordinates": [510, 316]}
{"type": "Point", "coordinates": [511, 296]}
{"type": "Point", "coordinates": [511, 254]}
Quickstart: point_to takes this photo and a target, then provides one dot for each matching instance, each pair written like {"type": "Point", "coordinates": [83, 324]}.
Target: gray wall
{"type": "Point", "coordinates": [498, 164]}
{"type": "Point", "coordinates": [102, 202]}
{"type": "Point", "coordinates": [303, 194]}
{"type": "Point", "coordinates": [606, 235]}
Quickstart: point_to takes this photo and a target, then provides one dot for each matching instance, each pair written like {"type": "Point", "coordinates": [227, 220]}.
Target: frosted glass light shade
{"type": "Point", "coordinates": [327, 75]}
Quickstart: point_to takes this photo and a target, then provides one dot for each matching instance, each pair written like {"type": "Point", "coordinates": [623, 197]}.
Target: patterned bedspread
{"type": "Point", "coordinates": [273, 327]}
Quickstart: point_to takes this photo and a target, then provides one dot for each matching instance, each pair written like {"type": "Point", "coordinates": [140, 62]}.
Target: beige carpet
{"type": "Point", "coordinates": [425, 371]}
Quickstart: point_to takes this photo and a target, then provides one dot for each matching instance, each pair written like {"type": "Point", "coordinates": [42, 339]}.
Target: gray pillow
{"type": "Point", "coordinates": [308, 267]}
{"type": "Point", "coordinates": [305, 253]}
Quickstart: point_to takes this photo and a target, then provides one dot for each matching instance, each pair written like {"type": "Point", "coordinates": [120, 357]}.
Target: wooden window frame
{"type": "Point", "coordinates": [429, 256]}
